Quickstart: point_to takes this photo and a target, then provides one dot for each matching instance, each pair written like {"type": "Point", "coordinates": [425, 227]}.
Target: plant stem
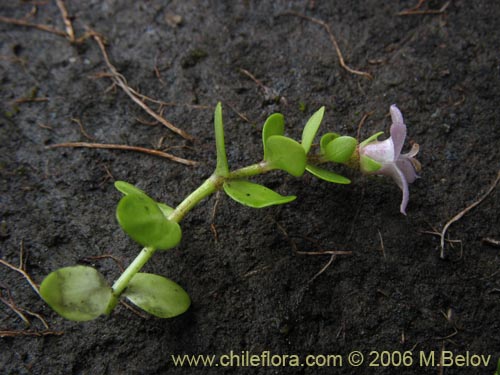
{"type": "Point", "coordinates": [127, 275]}
{"type": "Point", "coordinates": [208, 187]}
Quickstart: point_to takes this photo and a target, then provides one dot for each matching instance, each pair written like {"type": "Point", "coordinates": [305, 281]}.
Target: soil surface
{"type": "Point", "coordinates": [250, 289]}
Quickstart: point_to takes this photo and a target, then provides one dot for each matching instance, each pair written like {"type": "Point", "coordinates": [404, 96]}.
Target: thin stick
{"type": "Point", "coordinates": [110, 146]}
{"type": "Point", "coordinates": [463, 212]}
{"type": "Point", "coordinates": [82, 129]}
{"type": "Point", "coordinates": [416, 9]}
{"type": "Point", "coordinates": [120, 81]}
{"type": "Point", "coordinates": [334, 42]}
{"type": "Point", "coordinates": [22, 271]}
{"type": "Point", "coordinates": [325, 252]}
{"type": "Point", "coordinates": [362, 122]}
{"type": "Point", "coordinates": [24, 23]}
{"type": "Point", "coordinates": [15, 333]}
{"type": "Point", "coordinates": [67, 21]}
{"type": "Point", "coordinates": [30, 100]}
{"type": "Point", "coordinates": [491, 242]}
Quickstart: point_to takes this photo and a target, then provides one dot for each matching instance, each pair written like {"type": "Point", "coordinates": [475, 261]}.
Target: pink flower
{"type": "Point", "coordinates": [385, 158]}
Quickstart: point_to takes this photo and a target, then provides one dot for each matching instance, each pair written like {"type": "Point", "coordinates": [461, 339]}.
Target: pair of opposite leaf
{"type": "Point", "coordinates": [81, 293]}
{"type": "Point", "coordinates": [284, 153]}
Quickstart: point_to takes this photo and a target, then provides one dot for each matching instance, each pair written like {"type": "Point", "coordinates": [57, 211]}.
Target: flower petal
{"type": "Point", "coordinates": [406, 166]}
{"type": "Point", "coordinates": [382, 152]}
{"type": "Point", "coordinates": [398, 130]}
{"type": "Point", "coordinates": [398, 176]}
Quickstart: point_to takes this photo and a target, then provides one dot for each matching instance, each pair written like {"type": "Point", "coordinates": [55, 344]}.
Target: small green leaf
{"type": "Point", "coordinates": [286, 154]}
{"type": "Point", "coordinates": [222, 168]}
{"type": "Point", "coordinates": [311, 129]}
{"type": "Point", "coordinates": [157, 295]}
{"type": "Point", "coordinates": [274, 125]}
{"type": "Point", "coordinates": [371, 139]}
{"type": "Point", "coordinates": [340, 150]}
{"type": "Point", "coordinates": [327, 175]}
{"type": "Point", "coordinates": [254, 195]}
{"type": "Point", "coordinates": [368, 165]}
{"type": "Point", "coordinates": [327, 138]}
{"type": "Point", "coordinates": [78, 293]}
{"type": "Point", "coordinates": [126, 188]}
{"type": "Point", "coordinates": [142, 219]}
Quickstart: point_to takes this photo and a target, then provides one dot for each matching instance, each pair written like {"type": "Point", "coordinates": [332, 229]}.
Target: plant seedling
{"type": "Point", "coordinates": [81, 293]}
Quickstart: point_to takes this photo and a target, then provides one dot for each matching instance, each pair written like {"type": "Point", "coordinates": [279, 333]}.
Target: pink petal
{"type": "Point", "coordinates": [398, 130]}
{"type": "Point", "coordinates": [400, 179]}
{"type": "Point", "coordinates": [406, 167]}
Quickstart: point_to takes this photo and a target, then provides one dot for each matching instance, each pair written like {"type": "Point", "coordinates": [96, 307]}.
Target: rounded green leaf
{"type": "Point", "coordinates": [142, 219]}
{"type": "Point", "coordinates": [340, 150]}
{"type": "Point", "coordinates": [126, 188]}
{"type": "Point", "coordinates": [157, 295]}
{"type": "Point", "coordinates": [286, 154]}
{"type": "Point", "coordinates": [274, 125]}
{"type": "Point", "coordinates": [77, 293]}
{"type": "Point", "coordinates": [327, 175]}
{"type": "Point", "coordinates": [254, 195]}
{"type": "Point", "coordinates": [327, 138]}
{"type": "Point", "coordinates": [311, 129]}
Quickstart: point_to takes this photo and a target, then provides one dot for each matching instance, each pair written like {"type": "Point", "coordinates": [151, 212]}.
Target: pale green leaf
{"type": "Point", "coordinates": [78, 293]}
{"type": "Point", "coordinates": [286, 154]}
{"type": "Point", "coordinates": [157, 295]}
{"type": "Point", "coordinates": [341, 149]}
{"type": "Point", "coordinates": [254, 195]}
{"type": "Point", "coordinates": [311, 129]}
{"type": "Point", "coordinates": [274, 125]}
{"type": "Point", "coordinates": [142, 219]}
{"type": "Point", "coordinates": [327, 175]}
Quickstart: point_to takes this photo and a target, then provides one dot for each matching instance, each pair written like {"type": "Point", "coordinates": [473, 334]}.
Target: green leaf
{"type": "Point", "coordinates": [126, 188]}
{"type": "Point", "coordinates": [157, 295]}
{"type": "Point", "coordinates": [311, 129]}
{"type": "Point", "coordinates": [327, 138]}
{"type": "Point", "coordinates": [340, 150]}
{"type": "Point", "coordinates": [286, 154]}
{"type": "Point", "coordinates": [222, 168]}
{"type": "Point", "coordinates": [142, 219]}
{"type": "Point", "coordinates": [274, 125]}
{"type": "Point", "coordinates": [368, 165]}
{"type": "Point", "coordinates": [254, 195]}
{"type": "Point", "coordinates": [371, 139]}
{"type": "Point", "coordinates": [77, 293]}
{"type": "Point", "coordinates": [327, 175]}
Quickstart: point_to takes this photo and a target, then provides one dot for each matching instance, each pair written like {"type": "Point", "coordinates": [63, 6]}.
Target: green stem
{"type": "Point", "coordinates": [210, 186]}
{"type": "Point", "coordinates": [127, 275]}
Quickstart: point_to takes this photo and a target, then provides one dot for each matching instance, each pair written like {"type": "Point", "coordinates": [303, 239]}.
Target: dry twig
{"type": "Point", "coordinates": [417, 11]}
{"type": "Point", "coordinates": [70, 33]}
{"type": "Point", "coordinates": [22, 269]}
{"type": "Point", "coordinates": [463, 212]}
{"type": "Point", "coordinates": [110, 146]}
{"type": "Point", "coordinates": [334, 42]}
{"type": "Point", "coordinates": [17, 333]}
{"type": "Point", "coordinates": [120, 80]}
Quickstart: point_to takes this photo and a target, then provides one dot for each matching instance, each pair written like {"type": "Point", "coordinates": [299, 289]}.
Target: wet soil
{"type": "Point", "coordinates": [250, 290]}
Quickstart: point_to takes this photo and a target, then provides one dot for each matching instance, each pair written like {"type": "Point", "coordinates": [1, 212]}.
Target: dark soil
{"type": "Point", "coordinates": [250, 291]}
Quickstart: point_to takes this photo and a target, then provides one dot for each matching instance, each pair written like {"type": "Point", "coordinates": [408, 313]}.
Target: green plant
{"type": "Point", "coordinates": [81, 293]}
